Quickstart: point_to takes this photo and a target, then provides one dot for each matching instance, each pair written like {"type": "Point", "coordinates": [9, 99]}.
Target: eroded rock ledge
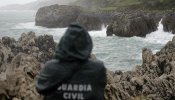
{"type": "Point", "coordinates": [153, 80]}
{"type": "Point", "coordinates": [21, 61]}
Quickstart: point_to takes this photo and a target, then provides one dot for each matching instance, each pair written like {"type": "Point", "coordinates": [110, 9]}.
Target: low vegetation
{"type": "Point", "coordinates": [118, 4]}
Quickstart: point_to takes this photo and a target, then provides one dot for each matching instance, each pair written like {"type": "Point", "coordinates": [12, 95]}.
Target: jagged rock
{"type": "Point", "coordinates": [58, 16]}
{"type": "Point", "coordinates": [20, 78]}
{"type": "Point", "coordinates": [137, 81]}
{"type": "Point", "coordinates": [147, 55]}
{"type": "Point", "coordinates": [24, 61]}
{"type": "Point", "coordinates": [27, 38]}
{"type": "Point", "coordinates": [45, 43]}
{"type": "Point", "coordinates": [41, 47]}
{"type": "Point", "coordinates": [132, 24]}
{"type": "Point", "coordinates": [168, 22]}
{"type": "Point", "coordinates": [153, 80]}
{"type": "Point", "coordinates": [170, 68]}
{"type": "Point", "coordinates": [110, 79]}
{"type": "Point", "coordinates": [44, 47]}
{"type": "Point", "coordinates": [117, 78]}
{"type": "Point", "coordinates": [7, 41]}
{"type": "Point", "coordinates": [24, 43]}
{"type": "Point", "coordinates": [5, 57]}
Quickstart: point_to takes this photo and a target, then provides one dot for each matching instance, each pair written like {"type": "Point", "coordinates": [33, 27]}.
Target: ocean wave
{"type": "Point", "coordinates": [100, 33]}
{"type": "Point", "coordinates": [28, 25]}
{"type": "Point", "coordinates": [54, 31]}
{"type": "Point", "coordinates": [158, 37]}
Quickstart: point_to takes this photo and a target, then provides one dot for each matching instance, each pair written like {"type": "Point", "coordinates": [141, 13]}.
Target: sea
{"type": "Point", "coordinates": [117, 53]}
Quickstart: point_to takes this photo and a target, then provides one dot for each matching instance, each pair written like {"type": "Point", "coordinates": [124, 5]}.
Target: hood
{"type": "Point", "coordinates": [76, 44]}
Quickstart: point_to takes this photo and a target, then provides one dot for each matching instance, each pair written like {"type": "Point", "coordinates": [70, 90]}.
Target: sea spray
{"type": "Point", "coordinates": [159, 36]}
{"type": "Point", "coordinates": [100, 33]}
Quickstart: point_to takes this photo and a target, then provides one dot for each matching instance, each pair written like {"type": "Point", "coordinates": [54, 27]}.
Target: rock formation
{"type": "Point", "coordinates": [58, 16]}
{"type": "Point", "coordinates": [132, 24]}
{"type": "Point", "coordinates": [153, 80]}
{"type": "Point", "coordinates": [168, 22]}
{"type": "Point", "coordinates": [22, 60]}
{"type": "Point", "coordinates": [62, 16]}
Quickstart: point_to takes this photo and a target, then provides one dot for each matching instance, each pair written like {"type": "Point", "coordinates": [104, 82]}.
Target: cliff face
{"type": "Point", "coordinates": [21, 61]}
{"type": "Point", "coordinates": [63, 15]}
{"type": "Point", "coordinates": [58, 16]}
{"type": "Point", "coordinates": [168, 22]}
{"type": "Point", "coordinates": [132, 24]}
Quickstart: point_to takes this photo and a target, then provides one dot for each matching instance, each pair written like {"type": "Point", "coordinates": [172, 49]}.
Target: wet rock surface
{"type": "Point", "coordinates": [58, 16]}
{"type": "Point", "coordinates": [153, 80]}
{"type": "Point", "coordinates": [62, 16]}
{"type": "Point", "coordinates": [135, 23]}
{"type": "Point", "coordinates": [21, 61]}
{"type": "Point", "coordinates": [168, 22]}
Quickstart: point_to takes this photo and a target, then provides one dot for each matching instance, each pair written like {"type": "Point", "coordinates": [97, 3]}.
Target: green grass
{"type": "Point", "coordinates": [126, 2]}
{"type": "Point", "coordinates": [131, 4]}
{"type": "Point", "coordinates": [108, 8]}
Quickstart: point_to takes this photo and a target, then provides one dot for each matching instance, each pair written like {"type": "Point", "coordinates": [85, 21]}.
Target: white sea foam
{"type": "Point", "coordinates": [28, 25]}
{"type": "Point", "coordinates": [57, 31]}
{"type": "Point", "coordinates": [159, 36]}
{"type": "Point", "coordinates": [100, 33]}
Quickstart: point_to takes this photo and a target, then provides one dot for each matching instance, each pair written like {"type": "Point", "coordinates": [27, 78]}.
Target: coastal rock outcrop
{"type": "Point", "coordinates": [61, 16]}
{"type": "Point", "coordinates": [132, 24]}
{"type": "Point", "coordinates": [57, 15]}
{"type": "Point", "coordinates": [168, 22]}
{"type": "Point", "coordinates": [20, 62]}
{"type": "Point", "coordinates": [19, 80]}
{"type": "Point", "coordinates": [157, 16]}
{"type": "Point", "coordinates": [153, 80]}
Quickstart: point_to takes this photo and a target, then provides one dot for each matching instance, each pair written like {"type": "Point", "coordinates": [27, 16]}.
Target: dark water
{"type": "Point", "coordinates": [116, 52]}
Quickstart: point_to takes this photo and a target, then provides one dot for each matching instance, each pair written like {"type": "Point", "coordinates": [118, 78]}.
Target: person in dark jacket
{"type": "Point", "coordinates": [71, 74]}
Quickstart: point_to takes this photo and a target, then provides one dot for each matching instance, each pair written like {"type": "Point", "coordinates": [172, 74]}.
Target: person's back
{"type": "Point", "coordinates": [71, 75]}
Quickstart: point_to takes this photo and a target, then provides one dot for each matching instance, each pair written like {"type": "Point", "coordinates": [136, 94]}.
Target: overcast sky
{"type": "Point", "coordinates": [7, 2]}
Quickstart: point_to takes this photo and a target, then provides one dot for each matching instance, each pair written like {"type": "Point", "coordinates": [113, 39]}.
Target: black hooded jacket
{"type": "Point", "coordinates": [72, 75]}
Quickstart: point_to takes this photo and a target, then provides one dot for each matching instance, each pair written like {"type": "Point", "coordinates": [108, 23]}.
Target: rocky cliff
{"type": "Point", "coordinates": [168, 22]}
{"type": "Point", "coordinates": [124, 23]}
{"type": "Point", "coordinates": [59, 16]}
{"type": "Point", "coordinates": [21, 60]}
{"type": "Point", "coordinates": [130, 24]}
